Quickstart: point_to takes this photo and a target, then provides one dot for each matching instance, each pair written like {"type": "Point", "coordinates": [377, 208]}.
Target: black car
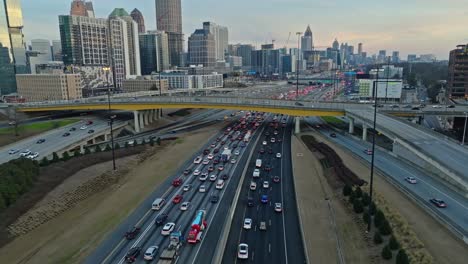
{"type": "Point", "coordinates": [250, 202]}
{"type": "Point", "coordinates": [214, 198]}
{"type": "Point", "coordinates": [187, 171]}
{"type": "Point", "coordinates": [132, 254]}
{"type": "Point", "coordinates": [72, 129]}
{"type": "Point", "coordinates": [159, 221]}
{"type": "Point", "coordinates": [40, 141]}
{"type": "Point", "coordinates": [298, 104]}
{"type": "Point", "coordinates": [225, 177]}
{"type": "Point", "coordinates": [90, 131]}
{"type": "Point", "coordinates": [333, 135]}
{"type": "Point", "coordinates": [66, 134]}
{"type": "Point", "coordinates": [415, 108]}
{"type": "Point", "coordinates": [131, 234]}
{"type": "Point", "coordinates": [450, 106]}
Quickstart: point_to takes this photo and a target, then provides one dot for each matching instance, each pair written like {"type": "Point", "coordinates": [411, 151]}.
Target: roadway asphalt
{"type": "Point", "coordinates": [456, 212]}
{"type": "Point", "coordinates": [453, 156]}
{"type": "Point", "coordinates": [55, 141]}
{"type": "Point", "coordinates": [115, 246]}
{"type": "Point", "coordinates": [281, 242]}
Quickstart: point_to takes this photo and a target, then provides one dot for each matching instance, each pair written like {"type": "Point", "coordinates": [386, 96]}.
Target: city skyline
{"type": "Point", "coordinates": [408, 29]}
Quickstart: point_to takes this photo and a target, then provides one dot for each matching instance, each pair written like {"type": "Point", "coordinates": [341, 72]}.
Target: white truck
{"type": "Point", "coordinates": [258, 163]}
{"type": "Point", "coordinates": [226, 155]}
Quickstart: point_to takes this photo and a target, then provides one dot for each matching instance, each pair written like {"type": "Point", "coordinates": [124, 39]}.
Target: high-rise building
{"type": "Point", "coordinates": [458, 73]}
{"type": "Point", "coordinates": [42, 87]}
{"type": "Point", "coordinates": [169, 19]}
{"type": "Point", "coordinates": [82, 8]}
{"type": "Point", "coordinates": [245, 51]}
{"type": "Point", "coordinates": [412, 57]}
{"type": "Point", "coordinates": [360, 49]}
{"type": "Point", "coordinates": [336, 45]}
{"type": "Point", "coordinates": [427, 58]}
{"type": "Point", "coordinates": [56, 50]}
{"type": "Point", "coordinates": [307, 42]}
{"type": "Point", "coordinates": [154, 52]}
{"type": "Point", "coordinates": [139, 19]}
{"type": "Point", "coordinates": [267, 61]}
{"type": "Point", "coordinates": [12, 48]}
{"type": "Point", "coordinates": [202, 48]}
{"type": "Point", "coordinates": [89, 9]}
{"type": "Point", "coordinates": [396, 57]}
{"type": "Point", "coordinates": [382, 57]}
{"type": "Point", "coordinates": [221, 37]}
{"type": "Point", "coordinates": [42, 48]}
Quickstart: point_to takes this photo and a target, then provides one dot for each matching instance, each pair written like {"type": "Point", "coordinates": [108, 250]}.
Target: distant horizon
{"type": "Point", "coordinates": [430, 27]}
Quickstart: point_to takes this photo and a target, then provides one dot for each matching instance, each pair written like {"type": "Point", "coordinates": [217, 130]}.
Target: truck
{"type": "Point", "coordinates": [198, 226]}
{"type": "Point", "coordinates": [172, 251]}
{"type": "Point", "coordinates": [226, 155]}
{"type": "Point", "coordinates": [247, 136]}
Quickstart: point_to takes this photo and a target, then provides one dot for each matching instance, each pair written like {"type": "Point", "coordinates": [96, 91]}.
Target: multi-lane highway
{"type": "Point", "coordinates": [426, 188]}
{"type": "Point", "coordinates": [281, 241]}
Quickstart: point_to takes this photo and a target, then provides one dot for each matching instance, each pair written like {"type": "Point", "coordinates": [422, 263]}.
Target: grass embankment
{"type": "Point", "coordinates": [332, 120]}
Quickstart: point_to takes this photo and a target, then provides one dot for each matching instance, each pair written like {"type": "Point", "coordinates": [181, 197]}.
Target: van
{"type": "Point", "coordinates": [158, 204]}
{"type": "Point", "coordinates": [220, 184]}
{"type": "Point", "coordinates": [258, 163]}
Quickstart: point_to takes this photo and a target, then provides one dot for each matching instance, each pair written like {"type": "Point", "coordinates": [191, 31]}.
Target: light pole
{"type": "Point", "coordinates": [297, 64]}
{"type": "Point", "coordinates": [464, 129]}
{"type": "Point", "coordinates": [111, 118]}
{"type": "Point", "coordinates": [388, 73]}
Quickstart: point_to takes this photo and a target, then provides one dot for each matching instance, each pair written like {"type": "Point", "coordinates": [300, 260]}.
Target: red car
{"type": "Point", "coordinates": [210, 168]}
{"type": "Point", "coordinates": [215, 150]}
{"type": "Point", "coordinates": [177, 182]}
{"type": "Point", "coordinates": [267, 168]}
{"type": "Point", "coordinates": [177, 199]}
{"type": "Point", "coordinates": [262, 151]}
{"type": "Point", "coordinates": [438, 202]}
{"type": "Point", "coordinates": [221, 168]}
{"type": "Point", "coordinates": [223, 142]}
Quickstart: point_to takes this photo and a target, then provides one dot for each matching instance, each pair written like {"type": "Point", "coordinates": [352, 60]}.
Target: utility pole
{"type": "Point", "coordinates": [111, 118]}
{"type": "Point", "coordinates": [388, 73]}
{"type": "Point", "coordinates": [297, 68]}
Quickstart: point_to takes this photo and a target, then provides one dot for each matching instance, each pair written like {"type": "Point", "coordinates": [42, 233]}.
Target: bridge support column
{"type": "Point", "coordinates": [351, 125]}
{"type": "Point", "coordinates": [142, 121]}
{"type": "Point", "coordinates": [106, 137]}
{"type": "Point", "coordinates": [82, 149]}
{"type": "Point", "coordinates": [364, 132]}
{"type": "Point", "coordinates": [160, 113]}
{"type": "Point", "coordinates": [297, 129]}
{"type": "Point", "coordinates": [146, 117]}
{"type": "Point", "coordinates": [137, 123]}
{"type": "Point", "coordinates": [156, 114]}
{"type": "Point", "coordinates": [152, 115]}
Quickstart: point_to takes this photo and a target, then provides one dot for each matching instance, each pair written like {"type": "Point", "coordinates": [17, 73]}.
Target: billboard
{"type": "Point", "coordinates": [392, 91]}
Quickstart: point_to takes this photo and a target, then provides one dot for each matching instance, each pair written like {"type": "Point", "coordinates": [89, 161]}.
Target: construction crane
{"type": "Point", "coordinates": [287, 42]}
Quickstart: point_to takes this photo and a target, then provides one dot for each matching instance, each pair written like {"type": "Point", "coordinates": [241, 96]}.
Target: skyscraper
{"type": "Point", "coordinates": [336, 45]}
{"type": "Point", "coordinates": [458, 73]}
{"type": "Point", "coordinates": [360, 49]}
{"type": "Point", "coordinates": [221, 37]}
{"type": "Point", "coordinates": [42, 47]}
{"type": "Point", "coordinates": [307, 43]}
{"type": "Point", "coordinates": [12, 48]}
{"type": "Point", "coordinates": [245, 51]}
{"type": "Point", "coordinates": [82, 8]}
{"type": "Point", "coordinates": [154, 52]}
{"type": "Point", "coordinates": [139, 19]}
{"type": "Point", "coordinates": [169, 19]}
{"type": "Point", "coordinates": [56, 50]}
{"type": "Point", "coordinates": [202, 48]}
{"type": "Point", "coordinates": [396, 57]}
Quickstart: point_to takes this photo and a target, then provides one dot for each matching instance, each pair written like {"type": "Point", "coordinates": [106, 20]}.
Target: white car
{"type": "Point", "coordinates": [25, 153]}
{"type": "Point", "coordinates": [84, 127]}
{"type": "Point", "coordinates": [237, 152]}
{"type": "Point", "coordinates": [13, 151]}
{"type": "Point", "coordinates": [264, 143]}
{"type": "Point", "coordinates": [247, 223]}
{"type": "Point", "coordinates": [436, 106]}
{"type": "Point", "coordinates": [266, 185]}
{"type": "Point", "coordinates": [243, 251]}
{"type": "Point", "coordinates": [256, 173]}
{"type": "Point", "coordinates": [411, 180]}
{"type": "Point", "coordinates": [184, 206]}
{"type": "Point", "coordinates": [278, 155]}
{"type": "Point", "coordinates": [197, 160]}
{"type": "Point", "coordinates": [202, 189]}
{"type": "Point", "coordinates": [233, 161]}
{"type": "Point", "coordinates": [151, 253]}
{"type": "Point", "coordinates": [213, 177]}
{"type": "Point", "coordinates": [33, 155]}
{"type": "Point", "coordinates": [210, 156]}
{"type": "Point", "coordinates": [278, 207]}
{"type": "Point", "coordinates": [203, 177]}
{"type": "Point", "coordinates": [253, 186]}
{"type": "Point", "coordinates": [196, 172]}
{"type": "Point", "coordinates": [186, 188]}
{"type": "Point", "coordinates": [206, 162]}
{"type": "Point", "coordinates": [273, 140]}
{"type": "Point", "coordinates": [167, 229]}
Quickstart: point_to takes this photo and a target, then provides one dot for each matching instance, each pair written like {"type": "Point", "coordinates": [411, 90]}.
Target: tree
{"type": "Point", "coordinates": [55, 157]}
{"type": "Point", "coordinates": [386, 253]}
{"type": "Point", "coordinates": [352, 197]}
{"type": "Point", "coordinates": [377, 238]}
{"type": "Point", "coordinates": [347, 190]}
{"type": "Point", "coordinates": [87, 151]}
{"type": "Point", "coordinates": [117, 146]}
{"type": "Point", "coordinates": [108, 148]}
{"type": "Point", "coordinates": [365, 217]}
{"type": "Point", "coordinates": [151, 142]}
{"type": "Point", "coordinates": [401, 257]}
{"type": "Point", "coordinates": [385, 228]}
{"type": "Point", "coordinates": [126, 145]}
{"type": "Point", "coordinates": [98, 148]}
{"type": "Point", "coordinates": [357, 206]}
{"type": "Point", "coordinates": [379, 218]}
{"type": "Point", "coordinates": [365, 199]}
{"type": "Point", "coordinates": [77, 153]}
{"type": "Point", "coordinates": [65, 156]}
{"type": "Point", "coordinates": [358, 192]}
{"type": "Point", "coordinates": [44, 162]}
{"type": "Point", "coordinates": [158, 141]}
{"type": "Point", "coordinates": [154, 87]}
{"type": "Point", "coordinates": [393, 243]}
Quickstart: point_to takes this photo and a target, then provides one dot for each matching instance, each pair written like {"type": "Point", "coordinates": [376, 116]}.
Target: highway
{"type": "Point", "coordinates": [115, 246]}
{"type": "Point", "coordinates": [281, 242]}
{"type": "Point", "coordinates": [456, 213]}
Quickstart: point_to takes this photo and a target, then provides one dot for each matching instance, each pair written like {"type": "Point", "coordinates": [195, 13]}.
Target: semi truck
{"type": "Point", "coordinates": [170, 253]}
{"type": "Point", "coordinates": [198, 226]}
{"type": "Point", "coordinates": [226, 155]}
{"type": "Point", "coordinates": [247, 136]}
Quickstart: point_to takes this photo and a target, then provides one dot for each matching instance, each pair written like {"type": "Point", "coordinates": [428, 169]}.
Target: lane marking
{"type": "Point", "coordinates": [282, 201]}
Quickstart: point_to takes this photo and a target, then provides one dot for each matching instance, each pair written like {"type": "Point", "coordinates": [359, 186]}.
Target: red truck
{"type": "Point", "coordinates": [177, 182]}
{"type": "Point", "coordinates": [197, 227]}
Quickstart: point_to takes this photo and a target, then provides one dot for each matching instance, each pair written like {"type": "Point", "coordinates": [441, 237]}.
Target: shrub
{"type": "Point", "coordinates": [117, 146]}
{"type": "Point", "coordinates": [379, 218]}
{"type": "Point", "coordinates": [55, 157]}
{"type": "Point", "coordinates": [385, 228]}
{"type": "Point", "coordinates": [151, 142]}
{"type": "Point", "coordinates": [372, 208]}
{"type": "Point", "coordinates": [108, 148]}
{"type": "Point", "coordinates": [87, 151]}
{"type": "Point", "coordinates": [158, 141]}
{"type": "Point", "coordinates": [76, 153]}
{"type": "Point", "coordinates": [358, 192]}
{"type": "Point", "coordinates": [393, 243]}
{"type": "Point", "coordinates": [365, 217]}
{"type": "Point", "coordinates": [401, 257]}
{"type": "Point", "coordinates": [365, 199]}
{"type": "Point", "coordinates": [98, 149]}
{"type": "Point", "coordinates": [65, 156]}
{"type": "Point", "coordinates": [377, 238]}
{"type": "Point", "coordinates": [386, 253]}
{"type": "Point", "coordinates": [143, 142]}
{"type": "Point", "coordinates": [347, 190]}
{"type": "Point", "coordinates": [357, 206]}
{"type": "Point", "coordinates": [126, 145]}
{"type": "Point", "coordinates": [44, 162]}
{"type": "Point", "coordinates": [352, 197]}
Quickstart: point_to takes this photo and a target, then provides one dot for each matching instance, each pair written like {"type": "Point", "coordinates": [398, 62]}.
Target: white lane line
{"type": "Point", "coordinates": [282, 202]}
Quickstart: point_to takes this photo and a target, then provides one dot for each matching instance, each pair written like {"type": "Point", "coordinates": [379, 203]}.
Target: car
{"type": "Point", "coordinates": [243, 251]}
{"type": "Point", "coordinates": [187, 171]}
{"type": "Point", "coordinates": [267, 134]}
{"type": "Point", "coordinates": [299, 104]}
{"type": "Point", "coordinates": [368, 151]}
{"type": "Point", "coordinates": [203, 177]}
{"type": "Point", "coordinates": [256, 173]}
{"type": "Point", "coordinates": [206, 162]}
{"type": "Point", "coordinates": [33, 155]}
{"type": "Point", "coordinates": [415, 108]}
{"type": "Point", "coordinates": [91, 131]}
{"type": "Point", "coordinates": [237, 152]}
{"type": "Point", "coordinates": [242, 145]}
{"type": "Point", "coordinates": [40, 141]}
{"type": "Point", "coordinates": [206, 152]}
{"type": "Point", "coordinates": [266, 185]}
{"type": "Point", "coordinates": [438, 202]}
{"type": "Point", "coordinates": [90, 122]}
{"type": "Point", "coordinates": [213, 145]}
{"type": "Point", "coordinates": [184, 206]}
{"type": "Point", "coordinates": [253, 186]}
{"type": "Point", "coordinates": [160, 219]}
{"type": "Point", "coordinates": [13, 151]}
{"type": "Point", "coordinates": [72, 129]}
{"type": "Point", "coordinates": [211, 168]}
{"type": "Point", "coordinates": [218, 139]}
{"type": "Point", "coordinates": [264, 143]}
{"type": "Point", "coordinates": [83, 127]}
{"type": "Point", "coordinates": [132, 254]}
{"type": "Point", "coordinates": [250, 202]}
{"type": "Point", "coordinates": [273, 140]}
{"type": "Point", "coordinates": [25, 153]}
{"type": "Point", "coordinates": [214, 198]}
{"type": "Point", "coordinates": [278, 155]}
{"type": "Point", "coordinates": [196, 172]}
{"type": "Point", "coordinates": [407, 106]}
{"type": "Point", "coordinates": [177, 182]}
{"type": "Point", "coordinates": [264, 199]}
{"type": "Point", "coordinates": [151, 253]}
{"type": "Point", "coordinates": [234, 146]}
{"type": "Point", "coordinates": [450, 106]}
{"type": "Point", "coordinates": [210, 156]}
{"type": "Point", "coordinates": [436, 106]}
{"type": "Point", "coordinates": [215, 160]}
{"type": "Point", "coordinates": [216, 150]}
{"type": "Point", "coordinates": [213, 177]}
{"type": "Point", "coordinates": [247, 223]}
{"type": "Point", "coordinates": [411, 180]}
{"type": "Point", "coordinates": [261, 151]}
{"type": "Point", "coordinates": [223, 142]}
{"type": "Point", "coordinates": [167, 229]}
{"type": "Point", "coordinates": [202, 188]}
{"type": "Point", "coordinates": [197, 160]}
{"type": "Point", "coordinates": [276, 179]}
{"type": "Point", "coordinates": [221, 168]}
{"type": "Point", "coordinates": [177, 199]}
{"type": "Point", "coordinates": [333, 135]}
{"type": "Point", "coordinates": [131, 234]}
{"type": "Point", "coordinates": [66, 134]}
{"type": "Point", "coordinates": [267, 168]}
{"type": "Point", "coordinates": [263, 226]}
{"type": "Point", "coordinates": [233, 161]}
{"type": "Point", "coordinates": [278, 207]}
{"type": "Point", "coordinates": [275, 132]}
{"type": "Point", "coordinates": [186, 187]}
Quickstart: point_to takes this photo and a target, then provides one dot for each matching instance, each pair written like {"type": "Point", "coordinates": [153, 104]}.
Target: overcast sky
{"type": "Point", "coordinates": [410, 26]}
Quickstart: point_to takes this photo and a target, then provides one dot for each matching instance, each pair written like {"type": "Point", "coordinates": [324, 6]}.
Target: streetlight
{"type": "Point", "coordinates": [297, 67]}
{"type": "Point", "coordinates": [464, 130]}
{"type": "Point", "coordinates": [111, 118]}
